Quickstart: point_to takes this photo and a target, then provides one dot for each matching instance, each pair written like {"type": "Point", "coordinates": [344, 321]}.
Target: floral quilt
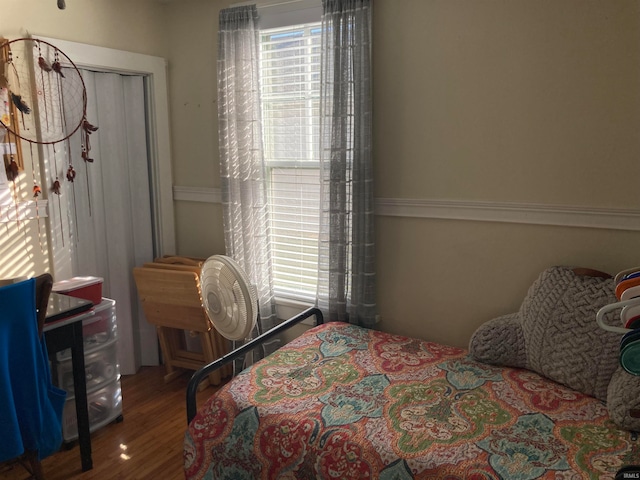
{"type": "Point", "coordinates": [343, 402]}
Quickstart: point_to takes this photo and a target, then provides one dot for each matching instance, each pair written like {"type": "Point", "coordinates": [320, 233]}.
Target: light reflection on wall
{"type": "Point", "coordinates": [28, 233]}
{"type": "Point", "coordinates": [23, 237]}
{"type": "Point", "coordinates": [23, 249]}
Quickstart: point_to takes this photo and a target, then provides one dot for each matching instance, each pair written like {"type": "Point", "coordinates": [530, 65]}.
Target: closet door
{"type": "Point", "coordinates": [110, 215]}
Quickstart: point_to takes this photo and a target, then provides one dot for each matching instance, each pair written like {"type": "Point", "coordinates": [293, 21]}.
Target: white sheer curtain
{"type": "Point", "coordinates": [242, 166]}
{"type": "Point", "coordinates": [112, 234]}
{"type": "Point", "coordinates": [346, 267]}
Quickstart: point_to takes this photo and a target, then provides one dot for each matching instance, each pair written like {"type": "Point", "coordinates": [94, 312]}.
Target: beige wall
{"type": "Point", "coordinates": [508, 100]}
{"type": "Point", "coordinates": [525, 101]}
{"type": "Point", "coordinates": [441, 279]}
{"type": "Point", "coordinates": [516, 101]}
{"type": "Point", "coordinates": [131, 25]}
{"type": "Point", "coordinates": [505, 101]}
{"type": "Point", "coordinates": [192, 74]}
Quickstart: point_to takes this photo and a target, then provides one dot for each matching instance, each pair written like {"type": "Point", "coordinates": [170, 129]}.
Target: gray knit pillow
{"type": "Point", "coordinates": [556, 335]}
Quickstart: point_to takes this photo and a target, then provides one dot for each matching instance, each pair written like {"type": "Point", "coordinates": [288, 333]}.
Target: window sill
{"type": "Point", "coordinates": [287, 308]}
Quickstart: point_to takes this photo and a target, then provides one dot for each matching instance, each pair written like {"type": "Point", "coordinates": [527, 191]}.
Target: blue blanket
{"type": "Point", "coordinates": [30, 406]}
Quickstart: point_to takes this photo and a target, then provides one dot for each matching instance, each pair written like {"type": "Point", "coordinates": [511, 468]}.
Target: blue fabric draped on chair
{"type": "Point", "coordinates": [30, 406]}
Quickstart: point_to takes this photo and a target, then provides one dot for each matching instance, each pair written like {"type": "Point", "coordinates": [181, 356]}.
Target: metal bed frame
{"type": "Point", "coordinates": [201, 374]}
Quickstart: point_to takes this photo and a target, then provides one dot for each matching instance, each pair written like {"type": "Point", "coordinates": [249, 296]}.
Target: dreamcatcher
{"type": "Point", "coordinates": [45, 103]}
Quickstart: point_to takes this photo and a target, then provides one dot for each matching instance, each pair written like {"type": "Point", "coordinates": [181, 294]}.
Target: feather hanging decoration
{"type": "Point", "coordinates": [12, 170]}
{"type": "Point", "coordinates": [37, 191]}
{"type": "Point", "coordinates": [57, 67]}
{"type": "Point", "coordinates": [20, 105]}
{"type": "Point", "coordinates": [55, 188]}
{"type": "Point", "coordinates": [88, 127]}
{"type": "Point", "coordinates": [36, 188]}
{"type": "Point", "coordinates": [13, 83]}
{"type": "Point", "coordinates": [71, 174]}
{"type": "Point", "coordinates": [86, 130]}
{"type": "Point", "coordinates": [43, 64]}
{"type": "Point", "coordinates": [85, 156]}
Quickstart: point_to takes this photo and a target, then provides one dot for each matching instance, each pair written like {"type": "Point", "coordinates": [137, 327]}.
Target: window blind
{"type": "Point", "coordinates": [290, 90]}
{"type": "Point", "coordinates": [281, 13]}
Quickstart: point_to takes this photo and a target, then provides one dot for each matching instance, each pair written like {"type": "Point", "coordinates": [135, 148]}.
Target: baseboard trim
{"type": "Point", "coordinates": [523, 213]}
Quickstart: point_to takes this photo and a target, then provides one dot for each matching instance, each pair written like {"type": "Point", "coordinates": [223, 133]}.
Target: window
{"type": "Point", "coordinates": [290, 89]}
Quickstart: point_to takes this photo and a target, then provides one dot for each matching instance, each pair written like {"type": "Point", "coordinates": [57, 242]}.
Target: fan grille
{"type": "Point", "coordinates": [229, 299]}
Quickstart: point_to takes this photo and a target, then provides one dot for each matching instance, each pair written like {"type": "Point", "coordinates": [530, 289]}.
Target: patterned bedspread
{"type": "Point", "coordinates": [341, 402]}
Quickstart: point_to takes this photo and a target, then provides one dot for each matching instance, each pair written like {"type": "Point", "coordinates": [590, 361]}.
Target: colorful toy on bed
{"type": "Point", "coordinates": [555, 334]}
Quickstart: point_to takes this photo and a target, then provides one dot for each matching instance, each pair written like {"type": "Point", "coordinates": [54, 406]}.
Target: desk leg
{"type": "Point", "coordinates": [80, 389]}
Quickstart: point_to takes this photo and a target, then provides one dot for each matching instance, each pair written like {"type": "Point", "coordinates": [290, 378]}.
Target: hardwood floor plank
{"type": "Point", "coordinates": [146, 445]}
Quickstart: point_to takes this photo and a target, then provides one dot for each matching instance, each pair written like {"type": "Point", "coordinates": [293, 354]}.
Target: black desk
{"type": "Point", "coordinates": [62, 333]}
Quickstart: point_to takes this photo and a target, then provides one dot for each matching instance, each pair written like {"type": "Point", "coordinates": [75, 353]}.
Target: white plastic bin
{"type": "Point", "coordinates": [97, 330]}
{"type": "Point", "coordinates": [100, 365]}
{"type": "Point", "coordinates": [105, 406]}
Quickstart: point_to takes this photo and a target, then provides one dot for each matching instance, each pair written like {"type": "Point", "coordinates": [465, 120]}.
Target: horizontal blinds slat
{"type": "Point", "coordinates": [286, 250]}
{"type": "Point", "coordinates": [304, 271]}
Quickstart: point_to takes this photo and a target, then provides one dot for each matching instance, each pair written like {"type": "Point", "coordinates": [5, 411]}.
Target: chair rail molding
{"type": "Point", "coordinates": [197, 194]}
{"type": "Point", "coordinates": [527, 213]}
{"type": "Point", "coordinates": [480, 211]}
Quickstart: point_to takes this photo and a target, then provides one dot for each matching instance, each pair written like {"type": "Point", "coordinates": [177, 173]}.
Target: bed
{"type": "Point", "coordinates": [342, 402]}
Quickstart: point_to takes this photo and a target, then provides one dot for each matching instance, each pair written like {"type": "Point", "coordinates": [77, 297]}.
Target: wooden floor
{"type": "Point", "coordinates": [147, 444]}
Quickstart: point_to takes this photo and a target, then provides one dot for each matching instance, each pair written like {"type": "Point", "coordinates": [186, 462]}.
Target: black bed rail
{"type": "Point", "coordinates": [203, 372]}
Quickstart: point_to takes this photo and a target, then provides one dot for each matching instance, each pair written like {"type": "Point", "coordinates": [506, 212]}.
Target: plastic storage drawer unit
{"type": "Point", "coordinates": [97, 330]}
{"type": "Point", "coordinates": [105, 406]}
{"type": "Point", "coordinates": [100, 366]}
